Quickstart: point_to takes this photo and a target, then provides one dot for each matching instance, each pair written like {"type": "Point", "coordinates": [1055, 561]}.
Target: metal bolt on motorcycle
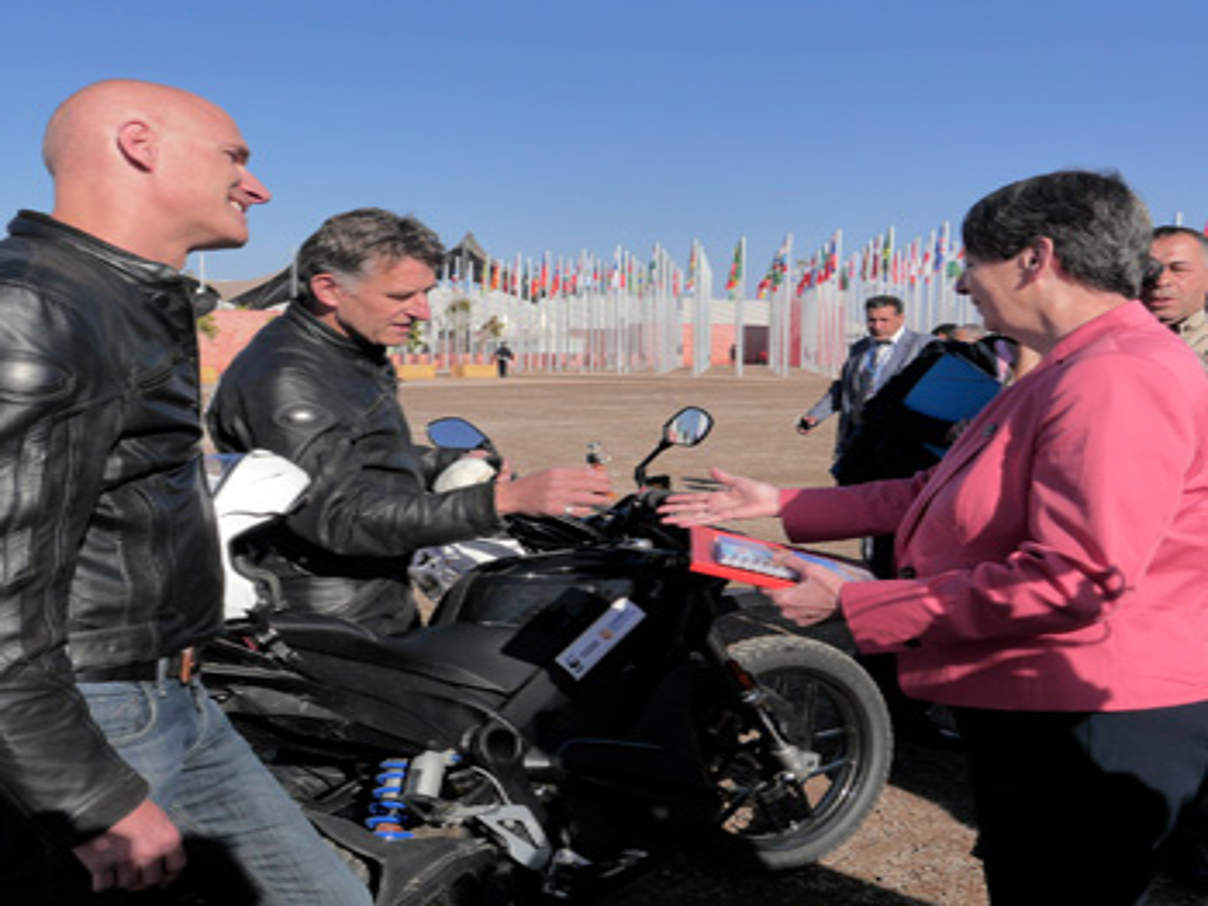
{"type": "Point", "coordinates": [565, 717]}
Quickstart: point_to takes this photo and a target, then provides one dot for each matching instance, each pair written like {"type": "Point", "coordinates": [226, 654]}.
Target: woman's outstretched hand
{"type": "Point", "coordinates": [740, 498]}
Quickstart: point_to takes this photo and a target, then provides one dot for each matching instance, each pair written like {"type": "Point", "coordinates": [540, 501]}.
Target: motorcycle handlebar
{"type": "Point", "coordinates": [632, 517]}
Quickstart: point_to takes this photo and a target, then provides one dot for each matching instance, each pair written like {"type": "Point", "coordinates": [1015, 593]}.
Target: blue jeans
{"type": "Point", "coordinates": [224, 801]}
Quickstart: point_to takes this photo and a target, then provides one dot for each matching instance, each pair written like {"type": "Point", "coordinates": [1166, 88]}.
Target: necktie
{"type": "Point", "coordinates": [878, 352]}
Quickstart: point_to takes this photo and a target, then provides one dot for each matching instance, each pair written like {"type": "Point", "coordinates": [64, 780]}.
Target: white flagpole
{"type": "Point", "coordinates": [739, 292]}
{"type": "Point", "coordinates": [785, 301]}
{"type": "Point", "coordinates": [839, 306]}
{"type": "Point", "coordinates": [942, 314]}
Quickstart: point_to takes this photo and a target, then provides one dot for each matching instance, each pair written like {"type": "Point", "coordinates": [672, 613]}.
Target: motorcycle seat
{"type": "Point", "coordinates": [460, 654]}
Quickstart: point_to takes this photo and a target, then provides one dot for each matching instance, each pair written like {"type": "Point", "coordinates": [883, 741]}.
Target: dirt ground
{"type": "Point", "coordinates": [915, 846]}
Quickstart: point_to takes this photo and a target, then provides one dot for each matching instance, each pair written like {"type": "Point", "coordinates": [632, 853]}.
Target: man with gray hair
{"type": "Point", "coordinates": [315, 385]}
{"type": "Point", "coordinates": [1176, 295]}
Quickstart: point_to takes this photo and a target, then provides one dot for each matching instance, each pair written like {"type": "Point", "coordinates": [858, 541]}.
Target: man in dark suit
{"type": "Point", "coordinates": [871, 361]}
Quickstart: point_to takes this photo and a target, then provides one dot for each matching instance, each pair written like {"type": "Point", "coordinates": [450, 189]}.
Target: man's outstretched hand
{"type": "Point", "coordinates": [554, 492]}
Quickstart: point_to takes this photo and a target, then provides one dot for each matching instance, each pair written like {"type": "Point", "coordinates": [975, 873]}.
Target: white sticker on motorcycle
{"type": "Point", "coordinates": [599, 638]}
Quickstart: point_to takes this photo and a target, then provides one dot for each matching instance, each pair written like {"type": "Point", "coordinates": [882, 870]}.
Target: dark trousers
{"type": "Point", "coordinates": [1073, 807]}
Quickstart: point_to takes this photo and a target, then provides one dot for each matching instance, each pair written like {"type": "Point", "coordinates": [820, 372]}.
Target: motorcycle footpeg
{"type": "Point", "coordinates": [520, 833]}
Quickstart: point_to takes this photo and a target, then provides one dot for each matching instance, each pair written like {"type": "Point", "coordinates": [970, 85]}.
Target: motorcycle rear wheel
{"type": "Point", "coordinates": [771, 818]}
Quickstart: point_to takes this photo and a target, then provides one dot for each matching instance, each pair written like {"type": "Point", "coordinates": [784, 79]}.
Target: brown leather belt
{"type": "Point", "coordinates": [182, 666]}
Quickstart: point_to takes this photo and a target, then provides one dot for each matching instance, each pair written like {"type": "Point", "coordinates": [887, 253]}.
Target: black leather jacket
{"type": "Point", "coordinates": [330, 404]}
{"type": "Point", "coordinates": [109, 550]}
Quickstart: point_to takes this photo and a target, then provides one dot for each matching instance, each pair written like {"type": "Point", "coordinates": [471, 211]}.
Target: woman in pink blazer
{"type": "Point", "coordinates": [1053, 567]}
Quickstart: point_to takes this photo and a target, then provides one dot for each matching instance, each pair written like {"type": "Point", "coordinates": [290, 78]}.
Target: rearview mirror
{"type": "Point", "coordinates": [456, 433]}
{"type": "Point", "coordinates": [688, 427]}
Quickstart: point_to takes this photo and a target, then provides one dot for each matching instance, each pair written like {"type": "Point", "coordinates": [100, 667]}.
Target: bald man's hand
{"type": "Point", "coordinates": [142, 850]}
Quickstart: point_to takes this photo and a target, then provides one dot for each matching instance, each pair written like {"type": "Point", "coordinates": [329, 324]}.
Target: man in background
{"type": "Point", "coordinates": [871, 361]}
{"type": "Point", "coordinates": [1176, 296]}
{"type": "Point", "coordinates": [1178, 293]}
{"type": "Point", "coordinates": [503, 356]}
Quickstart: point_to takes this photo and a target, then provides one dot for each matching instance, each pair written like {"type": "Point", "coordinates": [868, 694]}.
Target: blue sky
{"type": "Point", "coordinates": [586, 125]}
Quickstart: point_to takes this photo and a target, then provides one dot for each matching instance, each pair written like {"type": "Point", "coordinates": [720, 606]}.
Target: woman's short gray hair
{"type": "Point", "coordinates": [1100, 230]}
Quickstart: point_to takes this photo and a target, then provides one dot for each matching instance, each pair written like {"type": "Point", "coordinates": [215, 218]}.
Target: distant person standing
{"type": "Point", "coordinates": [871, 361]}
{"type": "Point", "coordinates": [503, 355]}
{"type": "Point", "coordinates": [1177, 295]}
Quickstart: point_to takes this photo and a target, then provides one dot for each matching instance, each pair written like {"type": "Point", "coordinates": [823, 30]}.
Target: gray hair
{"type": "Point", "coordinates": [1100, 230]}
{"type": "Point", "coordinates": [347, 243]}
{"type": "Point", "coordinates": [1170, 230]}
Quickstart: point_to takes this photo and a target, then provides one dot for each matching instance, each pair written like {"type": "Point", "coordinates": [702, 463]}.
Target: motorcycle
{"type": "Point", "coordinates": [565, 717]}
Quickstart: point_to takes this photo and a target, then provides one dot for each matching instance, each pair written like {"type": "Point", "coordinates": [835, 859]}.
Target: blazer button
{"type": "Point", "coordinates": [907, 572]}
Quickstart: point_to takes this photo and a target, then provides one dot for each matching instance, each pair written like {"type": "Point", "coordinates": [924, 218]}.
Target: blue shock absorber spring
{"type": "Point", "coordinates": [388, 812]}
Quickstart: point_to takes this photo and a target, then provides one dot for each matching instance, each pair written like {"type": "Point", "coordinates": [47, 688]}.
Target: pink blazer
{"type": "Point", "coordinates": [1057, 557]}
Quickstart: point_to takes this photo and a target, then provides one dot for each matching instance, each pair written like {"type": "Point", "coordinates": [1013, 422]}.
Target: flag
{"type": "Point", "coordinates": [690, 282]}
{"type": "Point", "coordinates": [954, 266]}
{"type": "Point", "coordinates": [777, 271]}
{"type": "Point", "coordinates": [735, 269]}
{"type": "Point", "coordinates": [832, 257]}
{"type": "Point", "coordinates": [807, 279]}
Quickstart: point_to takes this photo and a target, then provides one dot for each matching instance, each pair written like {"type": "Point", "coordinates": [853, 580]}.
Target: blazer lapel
{"type": "Point", "coordinates": [903, 350]}
{"type": "Point", "coordinates": [855, 368]}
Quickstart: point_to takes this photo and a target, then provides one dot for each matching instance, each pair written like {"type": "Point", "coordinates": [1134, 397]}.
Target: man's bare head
{"type": "Point", "coordinates": [150, 168]}
{"type": "Point", "coordinates": [1180, 289]}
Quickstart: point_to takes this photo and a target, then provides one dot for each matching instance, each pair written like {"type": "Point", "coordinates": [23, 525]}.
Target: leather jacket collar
{"type": "Point", "coordinates": [352, 347]}
{"type": "Point", "coordinates": [153, 274]}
